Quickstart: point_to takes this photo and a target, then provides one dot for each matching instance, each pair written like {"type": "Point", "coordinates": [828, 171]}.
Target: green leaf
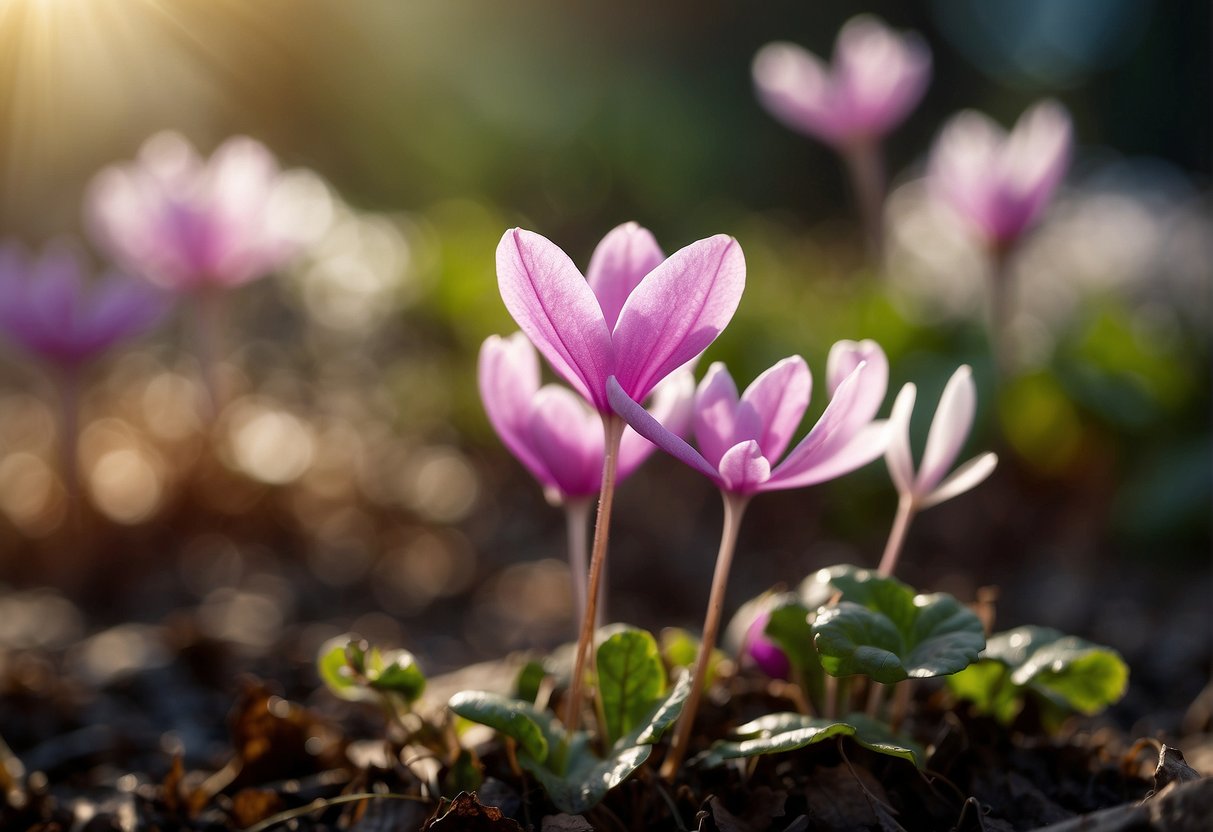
{"type": "Point", "coordinates": [934, 635]}
{"type": "Point", "coordinates": [518, 720]}
{"type": "Point", "coordinates": [631, 680]}
{"type": "Point", "coordinates": [680, 649]}
{"type": "Point", "coordinates": [586, 778]}
{"type": "Point", "coordinates": [1066, 671]}
{"type": "Point", "coordinates": [529, 680]}
{"type": "Point", "coordinates": [337, 671]}
{"type": "Point", "coordinates": [789, 628]}
{"type": "Point", "coordinates": [777, 733]}
{"type": "Point", "coordinates": [397, 672]}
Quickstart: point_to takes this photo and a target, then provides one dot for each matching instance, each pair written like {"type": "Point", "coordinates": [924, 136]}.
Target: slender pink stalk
{"type": "Point", "coordinates": [866, 169]}
{"type": "Point", "coordinates": [612, 427]}
{"type": "Point", "coordinates": [734, 509]}
{"type": "Point", "coordinates": [1001, 311]}
{"type": "Point", "coordinates": [208, 345]}
{"type": "Point", "coordinates": [67, 380]}
{"type": "Point", "coordinates": [897, 535]}
{"type": "Point", "coordinates": [577, 522]}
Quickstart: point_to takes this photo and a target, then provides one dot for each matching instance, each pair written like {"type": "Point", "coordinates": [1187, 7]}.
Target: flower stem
{"type": "Point", "coordinates": [1001, 312]}
{"type": "Point", "coordinates": [734, 508]}
{"type": "Point", "coordinates": [577, 522]}
{"type": "Point", "coordinates": [208, 337]}
{"type": "Point", "coordinates": [612, 428]}
{"type": "Point", "coordinates": [897, 535]}
{"type": "Point", "coordinates": [68, 383]}
{"type": "Point", "coordinates": [866, 170]}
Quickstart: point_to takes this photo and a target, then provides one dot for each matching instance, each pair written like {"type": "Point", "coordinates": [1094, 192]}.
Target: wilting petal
{"type": "Point", "coordinates": [671, 407]}
{"type": "Point", "coordinates": [778, 398]}
{"type": "Point", "coordinates": [652, 430]}
{"type": "Point", "coordinates": [715, 419]}
{"type": "Point", "coordinates": [898, 456]}
{"type": "Point", "coordinates": [555, 307]}
{"type": "Point", "coordinates": [676, 312]}
{"type": "Point", "coordinates": [743, 468]}
{"type": "Point", "coordinates": [949, 429]}
{"type": "Point", "coordinates": [508, 374]}
{"type": "Point", "coordinates": [967, 476]}
{"type": "Point", "coordinates": [567, 437]}
{"type": "Point", "coordinates": [619, 263]}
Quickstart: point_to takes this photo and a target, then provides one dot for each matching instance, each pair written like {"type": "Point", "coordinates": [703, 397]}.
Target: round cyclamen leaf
{"type": "Point", "coordinates": [788, 626]}
{"type": "Point", "coordinates": [936, 637]}
{"type": "Point", "coordinates": [1067, 671]}
{"type": "Point", "coordinates": [517, 720]}
{"type": "Point", "coordinates": [631, 679]}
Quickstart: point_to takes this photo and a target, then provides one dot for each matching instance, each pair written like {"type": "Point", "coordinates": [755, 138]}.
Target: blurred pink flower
{"type": "Point", "coordinates": [949, 429]}
{"type": "Point", "coordinates": [763, 652]}
{"type": "Point", "coordinates": [49, 308]}
{"type": "Point", "coordinates": [876, 78]}
{"type": "Point", "coordinates": [638, 317]}
{"type": "Point", "coordinates": [741, 437]}
{"type": "Point", "coordinates": [552, 431]}
{"type": "Point", "coordinates": [190, 224]}
{"type": "Point", "coordinates": [999, 184]}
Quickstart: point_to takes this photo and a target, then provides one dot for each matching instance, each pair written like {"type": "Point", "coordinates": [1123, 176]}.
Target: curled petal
{"type": "Point", "coordinates": [652, 430]}
{"type": "Point", "coordinates": [778, 398]}
{"type": "Point", "coordinates": [677, 311]}
{"type": "Point", "coordinates": [671, 406]}
{"type": "Point", "coordinates": [619, 263]}
{"type": "Point", "coordinates": [949, 429]}
{"type": "Point", "coordinates": [864, 447]}
{"type": "Point", "coordinates": [743, 468]}
{"type": "Point", "coordinates": [898, 456]}
{"type": "Point", "coordinates": [567, 436]}
{"type": "Point", "coordinates": [968, 475]}
{"type": "Point", "coordinates": [715, 418]}
{"type": "Point", "coordinates": [508, 374]}
{"type": "Point", "coordinates": [555, 307]}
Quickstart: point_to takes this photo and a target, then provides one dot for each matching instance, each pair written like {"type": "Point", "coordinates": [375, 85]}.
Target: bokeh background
{"type": "Point", "coordinates": [352, 481]}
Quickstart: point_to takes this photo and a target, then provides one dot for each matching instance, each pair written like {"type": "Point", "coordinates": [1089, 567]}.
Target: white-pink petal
{"type": "Point", "coordinates": [949, 429]}
{"type": "Point", "coordinates": [968, 475]}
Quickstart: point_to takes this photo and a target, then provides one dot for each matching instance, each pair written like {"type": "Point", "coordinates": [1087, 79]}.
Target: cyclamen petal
{"type": "Point", "coordinates": [999, 184]}
{"type": "Point", "coordinates": [969, 475]}
{"type": "Point", "coordinates": [567, 436]}
{"type": "Point", "coordinates": [844, 357]}
{"type": "Point", "coordinates": [623, 258]}
{"type": "Point", "coordinates": [898, 457]}
{"type": "Point", "coordinates": [779, 397]}
{"type": "Point", "coordinates": [876, 78]}
{"type": "Point", "coordinates": [743, 469]}
{"type": "Point", "coordinates": [508, 375]}
{"type": "Point", "coordinates": [832, 431]}
{"type": "Point", "coordinates": [865, 446]}
{"type": "Point", "coordinates": [648, 427]}
{"type": "Point", "coordinates": [672, 406]}
{"type": "Point", "coordinates": [949, 429]}
{"type": "Point", "coordinates": [555, 307]}
{"type": "Point", "coordinates": [676, 312]}
{"type": "Point", "coordinates": [715, 413]}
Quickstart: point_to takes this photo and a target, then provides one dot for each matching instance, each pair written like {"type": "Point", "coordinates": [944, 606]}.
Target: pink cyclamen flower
{"type": "Point", "coordinates": [877, 78]}
{"type": "Point", "coordinates": [999, 184]}
{"type": "Point", "coordinates": [49, 308]}
{"type": "Point", "coordinates": [949, 429]}
{"type": "Point", "coordinates": [764, 653]}
{"type": "Point", "coordinates": [552, 431]}
{"type": "Point", "coordinates": [741, 438]}
{"type": "Point", "coordinates": [190, 224]}
{"type": "Point", "coordinates": [638, 317]}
